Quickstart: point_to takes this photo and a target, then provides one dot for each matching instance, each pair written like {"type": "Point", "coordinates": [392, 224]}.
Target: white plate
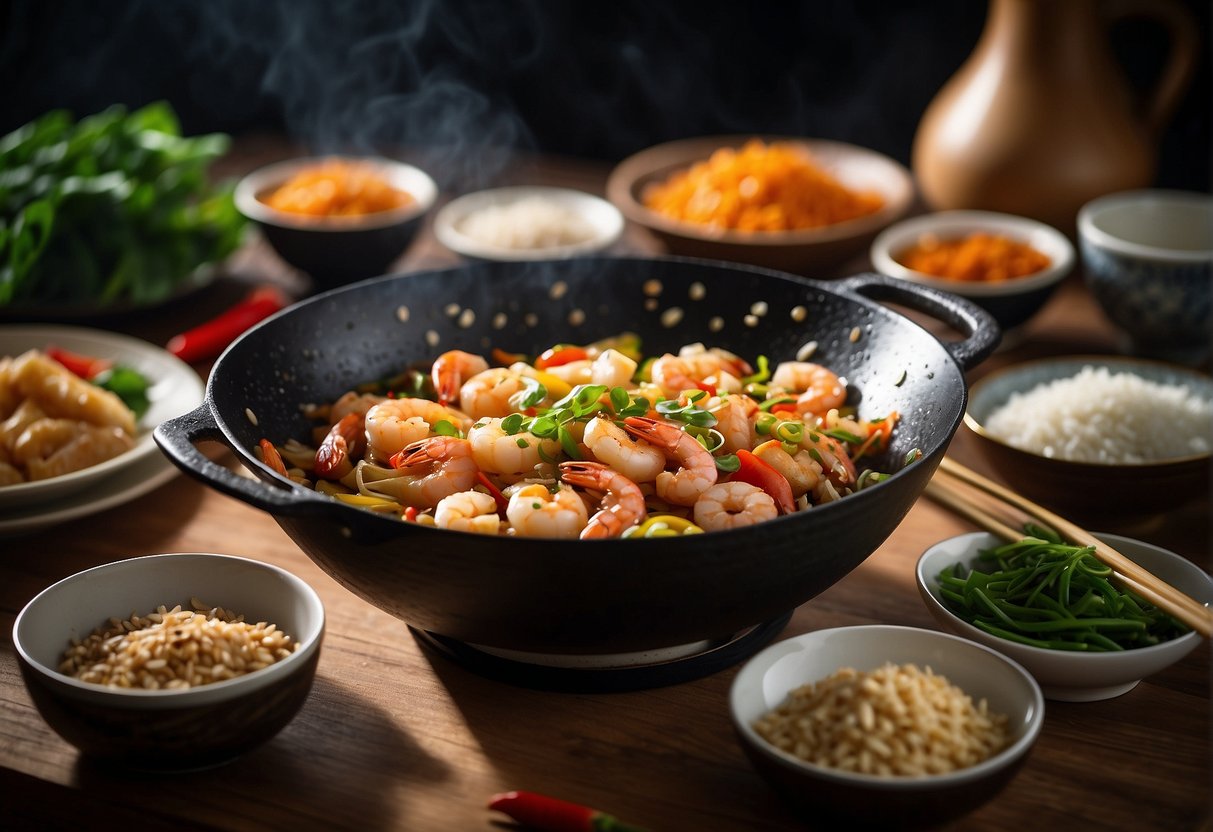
{"type": "Point", "coordinates": [175, 389]}
{"type": "Point", "coordinates": [130, 482]}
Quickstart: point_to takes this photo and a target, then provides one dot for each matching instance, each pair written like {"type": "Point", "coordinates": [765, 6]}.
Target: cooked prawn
{"type": "Point", "coordinates": [534, 511]}
{"type": "Point", "coordinates": [819, 389]}
{"type": "Point", "coordinates": [836, 463]}
{"type": "Point", "coordinates": [801, 471]}
{"type": "Point", "coordinates": [611, 444]}
{"type": "Point", "coordinates": [488, 393]}
{"type": "Point", "coordinates": [353, 402]}
{"type": "Point", "coordinates": [271, 457]}
{"type": "Point", "coordinates": [395, 423]}
{"type": "Point", "coordinates": [468, 511]}
{"type": "Point", "coordinates": [451, 369]}
{"type": "Point", "coordinates": [437, 467]}
{"type": "Point", "coordinates": [622, 504]}
{"type": "Point", "coordinates": [498, 452]}
{"type": "Point", "coordinates": [63, 394]}
{"type": "Point", "coordinates": [697, 468]}
{"type": "Point", "coordinates": [734, 420]}
{"type": "Point", "coordinates": [731, 505]}
{"type": "Point", "coordinates": [344, 442]}
{"type": "Point", "coordinates": [695, 365]}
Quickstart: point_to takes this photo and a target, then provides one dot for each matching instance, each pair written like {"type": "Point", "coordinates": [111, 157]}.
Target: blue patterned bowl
{"type": "Point", "coordinates": [1148, 261]}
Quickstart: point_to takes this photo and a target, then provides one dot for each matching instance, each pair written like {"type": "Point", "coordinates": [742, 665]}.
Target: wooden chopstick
{"type": "Point", "coordinates": [1131, 575]}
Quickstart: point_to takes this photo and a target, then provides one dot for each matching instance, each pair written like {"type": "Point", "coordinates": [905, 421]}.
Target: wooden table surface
{"type": "Point", "coordinates": [395, 737]}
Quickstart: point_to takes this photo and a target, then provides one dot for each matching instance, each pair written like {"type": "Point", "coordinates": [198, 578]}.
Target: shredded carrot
{"type": "Point", "coordinates": [977, 257]}
{"type": "Point", "coordinates": [337, 188]}
{"type": "Point", "coordinates": [759, 187]}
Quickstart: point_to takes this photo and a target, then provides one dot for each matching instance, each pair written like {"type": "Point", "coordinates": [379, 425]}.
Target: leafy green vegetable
{"type": "Point", "coordinates": [114, 207]}
{"type": "Point", "coordinates": [127, 384]}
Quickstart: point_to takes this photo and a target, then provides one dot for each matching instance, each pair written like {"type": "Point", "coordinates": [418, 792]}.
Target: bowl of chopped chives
{"type": "Point", "coordinates": [1058, 611]}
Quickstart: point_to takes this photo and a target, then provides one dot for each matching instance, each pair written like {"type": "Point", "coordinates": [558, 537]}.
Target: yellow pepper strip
{"type": "Point", "coordinates": [557, 387]}
{"type": "Point", "coordinates": [663, 525]}
{"type": "Point", "coordinates": [367, 501]}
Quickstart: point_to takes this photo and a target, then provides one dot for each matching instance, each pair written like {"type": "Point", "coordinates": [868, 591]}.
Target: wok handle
{"type": "Point", "coordinates": [980, 330]}
{"type": "Point", "coordinates": [177, 438]}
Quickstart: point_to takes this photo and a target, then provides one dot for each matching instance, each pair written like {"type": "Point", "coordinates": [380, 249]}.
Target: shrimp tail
{"type": "Point", "coordinates": [345, 441]}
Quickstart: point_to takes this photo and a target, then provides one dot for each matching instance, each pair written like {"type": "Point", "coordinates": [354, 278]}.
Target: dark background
{"type": "Point", "coordinates": [591, 79]}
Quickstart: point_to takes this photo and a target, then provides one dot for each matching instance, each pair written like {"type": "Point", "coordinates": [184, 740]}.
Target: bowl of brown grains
{"type": "Point", "coordinates": [171, 662]}
{"type": "Point", "coordinates": [898, 727]}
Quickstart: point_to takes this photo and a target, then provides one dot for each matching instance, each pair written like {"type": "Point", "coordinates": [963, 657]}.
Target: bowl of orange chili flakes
{"type": "Point", "coordinates": [1009, 265]}
{"type": "Point", "coordinates": [798, 205]}
{"type": "Point", "coordinates": [337, 218]}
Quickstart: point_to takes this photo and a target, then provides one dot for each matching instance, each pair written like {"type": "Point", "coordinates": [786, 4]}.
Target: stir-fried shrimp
{"type": "Point", "coordinates": [90, 445]}
{"type": "Point", "coordinates": [63, 394]}
{"type": "Point", "coordinates": [468, 511]}
{"type": "Point", "coordinates": [451, 370]}
{"type": "Point", "coordinates": [836, 463]}
{"type": "Point", "coordinates": [395, 423]}
{"type": "Point", "coordinates": [731, 505]}
{"type": "Point", "coordinates": [611, 444]}
{"type": "Point", "coordinates": [695, 365]}
{"type": "Point", "coordinates": [437, 467]}
{"type": "Point", "coordinates": [801, 471]}
{"type": "Point", "coordinates": [341, 448]}
{"type": "Point", "coordinates": [818, 389]}
{"type": "Point", "coordinates": [498, 452]}
{"type": "Point", "coordinates": [271, 457]}
{"type": "Point", "coordinates": [734, 420]}
{"type": "Point", "coordinates": [696, 466]}
{"type": "Point", "coordinates": [534, 511]}
{"type": "Point", "coordinates": [353, 402]}
{"type": "Point", "coordinates": [622, 504]}
{"type": "Point", "coordinates": [488, 393]}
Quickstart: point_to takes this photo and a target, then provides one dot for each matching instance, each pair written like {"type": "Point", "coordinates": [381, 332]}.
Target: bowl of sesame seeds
{"type": "Point", "coordinates": [171, 662]}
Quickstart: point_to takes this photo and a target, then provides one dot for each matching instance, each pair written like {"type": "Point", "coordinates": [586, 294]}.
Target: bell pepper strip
{"type": "Point", "coordinates": [85, 366]}
{"type": "Point", "coordinates": [879, 437]}
{"type": "Point", "coordinates": [207, 340]}
{"type": "Point", "coordinates": [756, 472]}
{"type": "Point", "coordinates": [558, 355]}
{"type": "Point", "coordinates": [494, 492]}
{"type": "Point", "coordinates": [550, 814]}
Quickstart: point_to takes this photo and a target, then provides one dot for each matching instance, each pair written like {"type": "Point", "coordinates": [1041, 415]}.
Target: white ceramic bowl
{"type": "Point", "coordinates": [451, 223]}
{"type": "Point", "coordinates": [175, 389]}
{"type": "Point", "coordinates": [169, 729]}
{"type": "Point", "coordinates": [1011, 302]}
{"type": "Point", "coordinates": [894, 802]}
{"type": "Point", "coordinates": [1068, 676]}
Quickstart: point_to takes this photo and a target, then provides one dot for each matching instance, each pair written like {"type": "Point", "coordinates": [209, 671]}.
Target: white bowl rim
{"type": "Point", "coordinates": [898, 192]}
{"type": "Point", "coordinates": [446, 222]}
{"type": "Point", "coordinates": [1080, 659]}
{"type": "Point", "coordinates": [216, 691]}
{"type": "Point", "coordinates": [1047, 239]}
{"type": "Point", "coordinates": [419, 184]}
{"type": "Point", "coordinates": [1114, 363]}
{"type": "Point", "coordinates": [1088, 216]}
{"type": "Point", "coordinates": [1035, 711]}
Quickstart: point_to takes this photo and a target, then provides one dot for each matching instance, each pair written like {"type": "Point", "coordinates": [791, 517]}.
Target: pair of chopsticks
{"type": "Point", "coordinates": [948, 488]}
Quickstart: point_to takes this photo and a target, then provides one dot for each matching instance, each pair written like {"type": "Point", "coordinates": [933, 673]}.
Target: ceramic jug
{"type": "Point", "coordinates": [1040, 118]}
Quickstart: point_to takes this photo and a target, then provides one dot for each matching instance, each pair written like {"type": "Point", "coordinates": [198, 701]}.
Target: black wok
{"type": "Point", "coordinates": [587, 597]}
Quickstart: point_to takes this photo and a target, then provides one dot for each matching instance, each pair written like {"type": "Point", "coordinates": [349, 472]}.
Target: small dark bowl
{"type": "Point", "coordinates": [846, 800]}
{"type": "Point", "coordinates": [167, 730]}
{"type": "Point", "coordinates": [1087, 490]}
{"type": "Point", "coordinates": [1012, 302]}
{"type": "Point", "coordinates": [814, 252]}
{"type": "Point", "coordinates": [338, 250]}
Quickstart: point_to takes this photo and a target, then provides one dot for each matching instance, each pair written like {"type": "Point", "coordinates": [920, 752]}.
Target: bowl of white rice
{"type": "Point", "coordinates": [528, 223]}
{"type": "Point", "coordinates": [1097, 434]}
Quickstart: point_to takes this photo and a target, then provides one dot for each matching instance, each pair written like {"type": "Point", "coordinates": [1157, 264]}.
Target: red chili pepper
{"type": "Point", "coordinates": [783, 407]}
{"type": "Point", "coordinates": [502, 502]}
{"type": "Point", "coordinates": [549, 814]}
{"type": "Point", "coordinates": [763, 475]}
{"type": "Point", "coordinates": [85, 366]}
{"type": "Point", "coordinates": [209, 339]}
{"type": "Point", "coordinates": [410, 513]}
{"type": "Point", "coordinates": [559, 355]}
{"type": "Point", "coordinates": [710, 389]}
{"type": "Point", "coordinates": [505, 359]}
